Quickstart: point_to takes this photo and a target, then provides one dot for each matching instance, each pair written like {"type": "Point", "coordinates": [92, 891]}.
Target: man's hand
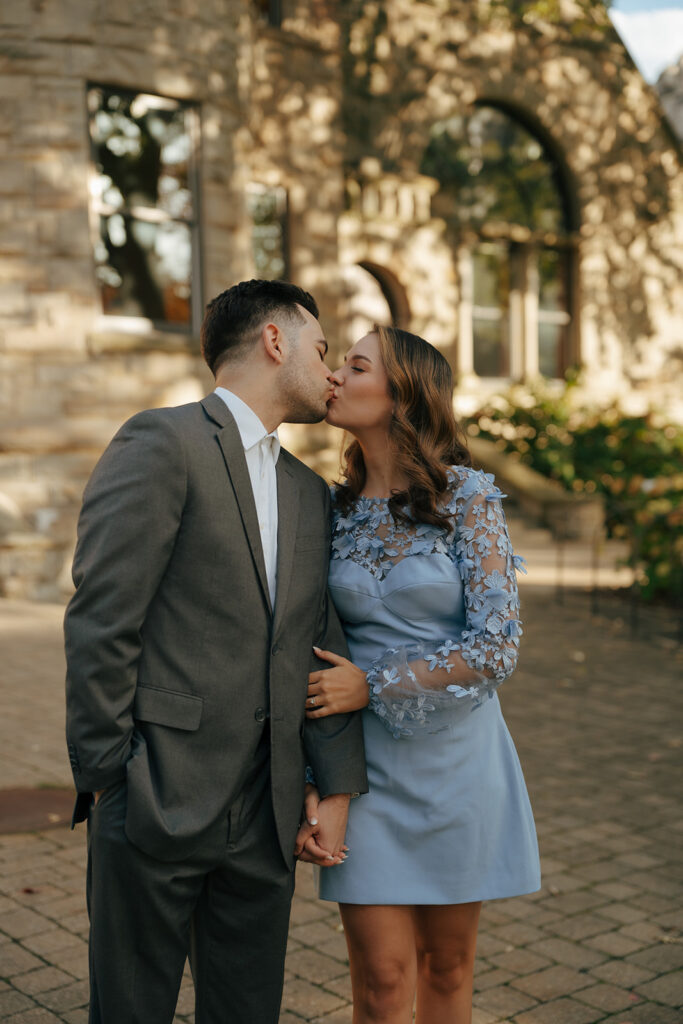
{"type": "Point", "coordinates": [333, 691]}
{"type": "Point", "coordinates": [320, 839]}
{"type": "Point", "coordinates": [307, 847]}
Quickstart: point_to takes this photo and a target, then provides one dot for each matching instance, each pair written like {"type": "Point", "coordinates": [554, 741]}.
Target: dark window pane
{"type": "Point", "coordinates": [490, 339]}
{"type": "Point", "coordinates": [491, 276]}
{"type": "Point", "coordinates": [551, 346]}
{"type": "Point", "coordinates": [553, 312]}
{"type": "Point", "coordinates": [492, 169]}
{"type": "Point", "coordinates": [552, 280]}
{"type": "Point", "coordinates": [270, 10]}
{"type": "Point", "coordinates": [268, 211]}
{"type": "Point", "coordinates": [491, 296]}
{"type": "Point", "coordinates": [144, 269]}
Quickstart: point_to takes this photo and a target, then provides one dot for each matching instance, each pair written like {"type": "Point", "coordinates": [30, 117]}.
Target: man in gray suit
{"type": "Point", "coordinates": [200, 572]}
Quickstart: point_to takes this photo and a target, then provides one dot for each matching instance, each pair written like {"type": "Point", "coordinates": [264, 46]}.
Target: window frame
{"type": "Point", "coordinates": [97, 209]}
{"type": "Point", "coordinates": [523, 312]}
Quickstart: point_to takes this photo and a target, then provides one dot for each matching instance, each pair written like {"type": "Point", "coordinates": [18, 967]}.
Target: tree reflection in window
{"type": "Point", "coordinates": [493, 169]}
{"type": "Point", "coordinates": [144, 199]}
{"type": "Point", "coordinates": [553, 318]}
{"type": "Point", "coordinates": [267, 206]}
{"type": "Point", "coordinates": [491, 291]}
{"type": "Point", "coordinates": [270, 11]}
{"type": "Point", "coordinates": [500, 183]}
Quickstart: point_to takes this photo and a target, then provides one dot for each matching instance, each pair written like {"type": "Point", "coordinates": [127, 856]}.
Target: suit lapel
{"type": "Point", "coordinates": [288, 515]}
{"type": "Point", "coordinates": [231, 445]}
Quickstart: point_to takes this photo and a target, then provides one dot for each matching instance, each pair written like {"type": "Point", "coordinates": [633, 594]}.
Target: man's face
{"type": "Point", "coordinates": [305, 377]}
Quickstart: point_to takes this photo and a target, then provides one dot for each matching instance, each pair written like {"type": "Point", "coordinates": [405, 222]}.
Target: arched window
{"type": "Point", "coordinates": [506, 201]}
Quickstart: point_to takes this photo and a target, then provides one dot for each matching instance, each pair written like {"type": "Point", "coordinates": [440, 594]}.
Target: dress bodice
{"type": "Point", "coordinates": [420, 598]}
{"type": "Point", "coordinates": [415, 598]}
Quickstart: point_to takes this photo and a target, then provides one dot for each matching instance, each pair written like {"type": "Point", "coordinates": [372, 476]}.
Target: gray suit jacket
{"type": "Point", "coordinates": [174, 655]}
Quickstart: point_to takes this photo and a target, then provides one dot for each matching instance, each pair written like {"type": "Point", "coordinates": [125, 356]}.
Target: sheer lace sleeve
{"type": "Point", "coordinates": [410, 685]}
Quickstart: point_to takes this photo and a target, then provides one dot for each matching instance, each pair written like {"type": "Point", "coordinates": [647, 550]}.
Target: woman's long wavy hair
{"type": "Point", "coordinates": [424, 435]}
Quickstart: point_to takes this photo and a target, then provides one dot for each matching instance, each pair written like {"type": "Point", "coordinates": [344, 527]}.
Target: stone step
{"type": "Point", "coordinates": [572, 563]}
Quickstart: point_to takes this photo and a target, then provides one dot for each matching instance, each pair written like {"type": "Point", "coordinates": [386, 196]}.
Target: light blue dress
{"type": "Point", "coordinates": [433, 618]}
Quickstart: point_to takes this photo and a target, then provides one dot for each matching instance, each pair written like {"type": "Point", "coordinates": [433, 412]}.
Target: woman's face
{"type": "Point", "coordinates": [361, 399]}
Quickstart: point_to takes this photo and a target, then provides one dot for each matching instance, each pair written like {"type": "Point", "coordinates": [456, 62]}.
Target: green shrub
{"type": "Point", "coordinates": [636, 462]}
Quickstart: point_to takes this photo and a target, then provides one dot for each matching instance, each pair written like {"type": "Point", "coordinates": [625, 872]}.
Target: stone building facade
{"type": "Point", "coordinates": [502, 182]}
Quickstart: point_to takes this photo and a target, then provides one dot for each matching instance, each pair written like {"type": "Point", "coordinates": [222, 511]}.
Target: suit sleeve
{"type": "Point", "coordinates": [132, 508]}
{"type": "Point", "coordinates": [334, 744]}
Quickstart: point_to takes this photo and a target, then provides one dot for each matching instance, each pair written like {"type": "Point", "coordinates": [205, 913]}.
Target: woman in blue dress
{"type": "Point", "coordinates": [423, 577]}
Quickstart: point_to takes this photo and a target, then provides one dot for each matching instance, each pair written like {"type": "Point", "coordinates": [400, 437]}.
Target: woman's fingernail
{"type": "Point", "coordinates": [313, 821]}
{"type": "Point", "coordinates": [315, 648]}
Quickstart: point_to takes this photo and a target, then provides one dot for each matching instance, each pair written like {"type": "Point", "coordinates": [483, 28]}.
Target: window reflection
{"type": "Point", "coordinates": [553, 318]}
{"type": "Point", "coordinates": [492, 169]}
{"type": "Point", "coordinates": [144, 197]}
{"type": "Point", "coordinates": [491, 293]}
{"type": "Point", "coordinates": [498, 182]}
{"type": "Point", "coordinates": [267, 207]}
{"type": "Point", "coordinates": [270, 11]}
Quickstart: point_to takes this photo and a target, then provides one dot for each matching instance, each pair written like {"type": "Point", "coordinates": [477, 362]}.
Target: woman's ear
{"type": "Point", "coordinates": [273, 342]}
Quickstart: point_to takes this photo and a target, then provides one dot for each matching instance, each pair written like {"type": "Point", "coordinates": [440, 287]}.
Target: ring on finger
{"type": "Point", "coordinates": [312, 701]}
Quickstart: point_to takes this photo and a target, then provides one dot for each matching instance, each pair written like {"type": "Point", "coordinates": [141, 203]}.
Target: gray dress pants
{"type": "Point", "coordinates": [230, 915]}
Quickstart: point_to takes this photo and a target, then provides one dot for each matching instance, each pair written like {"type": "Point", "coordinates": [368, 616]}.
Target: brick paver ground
{"type": "Point", "coordinates": [595, 712]}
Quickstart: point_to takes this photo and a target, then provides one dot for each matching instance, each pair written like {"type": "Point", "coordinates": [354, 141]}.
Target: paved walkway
{"type": "Point", "coordinates": [596, 715]}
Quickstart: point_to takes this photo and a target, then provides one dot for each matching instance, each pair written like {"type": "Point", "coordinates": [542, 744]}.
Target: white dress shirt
{"type": "Point", "coordinates": [261, 451]}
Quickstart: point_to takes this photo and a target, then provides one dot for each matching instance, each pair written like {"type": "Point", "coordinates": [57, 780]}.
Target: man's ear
{"type": "Point", "coordinates": [273, 342]}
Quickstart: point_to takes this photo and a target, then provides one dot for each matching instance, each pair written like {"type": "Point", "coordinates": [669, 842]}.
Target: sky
{"type": "Point", "coordinates": [652, 31]}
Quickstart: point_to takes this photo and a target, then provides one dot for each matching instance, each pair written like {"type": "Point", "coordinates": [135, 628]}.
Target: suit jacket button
{"type": "Point", "coordinates": [275, 649]}
{"type": "Point", "coordinates": [260, 715]}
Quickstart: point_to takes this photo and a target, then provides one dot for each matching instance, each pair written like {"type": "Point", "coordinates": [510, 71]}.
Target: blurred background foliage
{"type": "Point", "coordinates": [634, 462]}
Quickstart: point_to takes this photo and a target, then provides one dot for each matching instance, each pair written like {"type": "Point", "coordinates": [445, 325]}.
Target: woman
{"type": "Point", "coordinates": [422, 575]}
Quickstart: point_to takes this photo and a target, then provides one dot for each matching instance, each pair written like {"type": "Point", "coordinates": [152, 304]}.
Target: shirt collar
{"type": "Point", "coordinates": [248, 423]}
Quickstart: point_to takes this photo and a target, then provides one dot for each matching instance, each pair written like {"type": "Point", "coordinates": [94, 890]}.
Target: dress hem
{"type": "Point", "coordinates": [525, 891]}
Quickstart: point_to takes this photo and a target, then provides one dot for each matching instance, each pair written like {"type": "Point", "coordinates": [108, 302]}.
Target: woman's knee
{"type": "Point", "coordinates": [445, 972]}
{"type": "Point", "coordinates": [384, 987]}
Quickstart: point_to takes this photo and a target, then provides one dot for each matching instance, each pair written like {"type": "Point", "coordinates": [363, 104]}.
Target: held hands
{"type": "Point", "coordinates": [332, 691]}
{"type": "Point", "coordinates": [343, 687]}
{"type": "Point", "coordinates": [320, 839]}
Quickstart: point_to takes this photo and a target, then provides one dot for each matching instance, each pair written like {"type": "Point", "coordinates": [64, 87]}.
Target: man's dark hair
{"type": "Point", "coordinates": [232, 318]}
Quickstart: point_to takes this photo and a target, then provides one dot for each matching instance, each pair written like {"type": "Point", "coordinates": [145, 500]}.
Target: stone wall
{"type": "Point", "coordinates": [408, 65]}
{"type": "Point", "coordinates": [67, 380]}
{"type": "Point", "coordinates": [335, 106]}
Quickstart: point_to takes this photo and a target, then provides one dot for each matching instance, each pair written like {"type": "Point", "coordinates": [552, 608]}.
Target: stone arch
{"type": "Point", "coordinates": [375, 295]}
{"type": "Point", "coordinates": [393, 292]}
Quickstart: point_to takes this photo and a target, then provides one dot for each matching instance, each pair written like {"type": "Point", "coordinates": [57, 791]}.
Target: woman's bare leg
{"type": "Point", "coordinates": [446, 939]}
{"type": "Point", "coordinates": [381, 944]}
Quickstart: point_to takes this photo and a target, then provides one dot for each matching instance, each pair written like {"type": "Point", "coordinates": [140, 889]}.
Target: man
{"type": "Point", "coordinates": [200, 572]}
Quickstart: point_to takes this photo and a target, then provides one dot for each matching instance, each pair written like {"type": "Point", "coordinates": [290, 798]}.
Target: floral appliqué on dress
{"type": "Point", "coordinates": [409, 684]}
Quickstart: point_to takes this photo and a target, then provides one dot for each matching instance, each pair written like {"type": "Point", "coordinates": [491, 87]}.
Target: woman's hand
{"type": "Point", "coordinates": [313, 833]}
{"type": "Point", "coordinates": [332, 691]}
